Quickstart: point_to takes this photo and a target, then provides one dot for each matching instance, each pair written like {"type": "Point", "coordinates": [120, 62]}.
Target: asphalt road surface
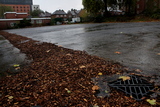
{"type": "Point", "coordinates": [136, 45]}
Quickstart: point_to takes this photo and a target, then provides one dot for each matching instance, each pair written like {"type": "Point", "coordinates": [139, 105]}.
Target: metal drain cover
{"type": "Point", "coordinates": [135, 87]}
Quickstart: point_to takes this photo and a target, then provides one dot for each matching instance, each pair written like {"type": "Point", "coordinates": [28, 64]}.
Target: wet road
{"type": "Point", "coordinates": [137, 43]}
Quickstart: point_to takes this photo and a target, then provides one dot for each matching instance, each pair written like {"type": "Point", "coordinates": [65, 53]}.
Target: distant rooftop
{"type": "Point", "coordinates": [73, 12]}
{"type": "Point", "coordinates": [59, 12]}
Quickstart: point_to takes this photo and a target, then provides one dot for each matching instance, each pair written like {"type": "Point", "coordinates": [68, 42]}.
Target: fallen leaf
{"type": "Point", "coordinates": [82, 66]}
{"type": "Point", "coordinates": [117, 52]}
{"type": "Point", "coordinates": [158, 53]}
{"type": "Point", "coordinates": [124, 78]}
{"type": "Point", "coordinates": [17, 68]}
{"type": "Point", "coordinates": [48, 51]}
{"type": "Point", "coordinates": [95, 106]}
{"type": "Point", "coordinates": [152, 102]}
{"type": "Point", "coordinates": [121, 32]}
{"type": "Point", "coordinates": [69, 54]}
{"type": "Point", "coordinates": [16, 103]}
{"type": "Point", "coordinates": [158, 103]}
{"type": "Point", "coordinates": [138, 70]}
{"type": "Point", "coordinates": [143, 98]}
{"type": "Point", "coordinates": [10, 97]}
{"type": "Point", "coordinates": [59, 45]}
{"type": "Point", "coordinates": [106, 91]}
{"type": "Point", "coordinates": [100, 73]}
{"type": "Point", "coordinates": [95, 88]}
{"type": "Point", "coordinates": [85, 100]}
{"type": "Point", "coordinates": [9, 76]}
{"type": "Point", "coordinates": [16, 65]}
{"type": "Point", "coordinates": [68, 91]}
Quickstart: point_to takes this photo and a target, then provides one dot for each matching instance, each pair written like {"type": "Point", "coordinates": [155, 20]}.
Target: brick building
{"type": "Point", "coordinates": [142, 5]}
{"type": "Point", "coordinates": [59, 14]}
{"type": "Point", "coordinates": [11, 23]}
{"type": "Point", "coordinates": [19, 6]}
{"type": "Point", "coordinates": [14, 15]}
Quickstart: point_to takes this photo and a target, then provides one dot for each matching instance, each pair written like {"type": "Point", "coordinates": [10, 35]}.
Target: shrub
{"type": "Point", "coordinates": [23, 23]}
{"type": "Point", "coordinates": [155, 16]}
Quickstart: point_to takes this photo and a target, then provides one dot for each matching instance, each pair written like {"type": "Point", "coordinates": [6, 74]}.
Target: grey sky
{"type": "Point", "coordinates": [52, 5]}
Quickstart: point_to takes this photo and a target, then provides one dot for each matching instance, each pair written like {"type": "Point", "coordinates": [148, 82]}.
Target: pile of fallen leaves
{"type": "Point", "coordinates": [59, 77]}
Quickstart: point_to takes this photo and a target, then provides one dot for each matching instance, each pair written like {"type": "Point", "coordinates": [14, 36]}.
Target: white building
{"type": "Point", "coordinates": [35, 7]}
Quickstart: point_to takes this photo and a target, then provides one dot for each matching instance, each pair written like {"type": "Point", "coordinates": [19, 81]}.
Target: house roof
{"type": "Point", "coordinates": [45, 14]}
{"type": "Point", "coordinates": [59, 12]}
{"type": "Point", "coordinates": [74, 12]}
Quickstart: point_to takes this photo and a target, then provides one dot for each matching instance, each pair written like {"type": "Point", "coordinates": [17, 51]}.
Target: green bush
{"type": "Point", "coordinates": [155, 16]}
{"type": "Point", "coordinates": [23, 23]}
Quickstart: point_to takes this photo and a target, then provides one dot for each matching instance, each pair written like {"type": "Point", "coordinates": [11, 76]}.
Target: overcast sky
{"type": "Point", "coordinates": [52, 5]}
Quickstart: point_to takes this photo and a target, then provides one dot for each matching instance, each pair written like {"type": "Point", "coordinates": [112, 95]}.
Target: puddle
{"type": "Point", "coordinates": [9, 56]}
{"type": "Point", "coordinates": [103, 83]}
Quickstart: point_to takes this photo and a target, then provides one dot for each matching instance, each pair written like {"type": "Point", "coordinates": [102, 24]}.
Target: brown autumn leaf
{"type": "Point", "coordinates": [138, 70]}
{"type": "Point", "coordinates": [59, 45]}
{"type": "Point", "coordinates": [94, 88]}
{"type": "Point", "coordinates": [117, 52]}
{"type": "Point", "coordinates": [17, 68]}
{"type": "Point", "coordinates": [48, 51]}
{"type": "Point", "coordinates": [158, 53]}
{"type": "Point", "coordinates": [10, 97]}
{"type": "Point", "coordinates": [82, 66]}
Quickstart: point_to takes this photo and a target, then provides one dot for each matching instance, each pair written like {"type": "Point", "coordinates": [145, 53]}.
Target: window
{"type": "Point", "coordinates": [32, 21]}
{"type": "Point", "coordinates": [57, 15]}
{"type": "Point", "coordinates": [39, 21]}
{"type": "Point", "coordinates": [65, 15]}
{"type": "Point", "coordinates": [61, 15]}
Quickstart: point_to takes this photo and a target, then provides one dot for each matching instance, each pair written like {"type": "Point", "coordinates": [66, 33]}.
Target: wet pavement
{"type": "Point", "coordinates": [136, 45]}
{"type": "Point", "coordinates": [9, 56]}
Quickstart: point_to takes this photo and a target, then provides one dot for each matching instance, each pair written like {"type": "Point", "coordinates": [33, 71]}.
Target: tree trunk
{"type": "Point", "coordinates": [105, 7]}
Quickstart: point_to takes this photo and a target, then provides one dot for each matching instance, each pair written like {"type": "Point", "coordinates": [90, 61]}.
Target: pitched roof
{"type": "Point", "coordinates": [73, 12]}
{"type": "Point", "coordinates": [59, 12]}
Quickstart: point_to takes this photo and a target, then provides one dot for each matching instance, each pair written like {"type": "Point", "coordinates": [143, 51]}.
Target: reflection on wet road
{"type": "Point", "coordinates": [138, 43]}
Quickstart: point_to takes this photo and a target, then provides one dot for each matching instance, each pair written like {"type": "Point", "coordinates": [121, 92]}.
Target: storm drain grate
{"type": "Point", "coordinates": [135, 87]}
